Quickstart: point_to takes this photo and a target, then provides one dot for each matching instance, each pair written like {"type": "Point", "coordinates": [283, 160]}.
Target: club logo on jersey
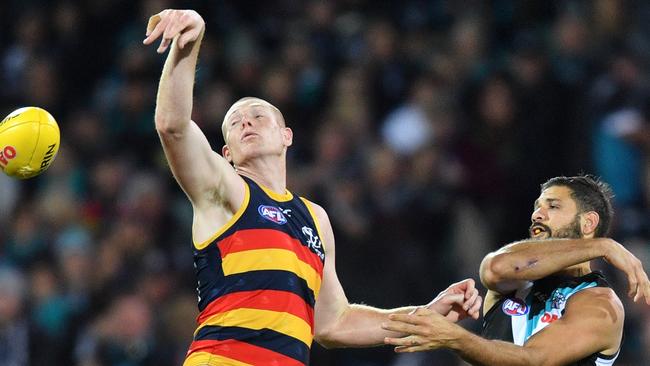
{"type": "Point", "coordinates": [514, 307]}
{"type": "Point", "coordinates": [558, 300]}
{"type": "Point", "coordinates": [272, 214]}
{"type": "Point", "coordinates": [313, 241]}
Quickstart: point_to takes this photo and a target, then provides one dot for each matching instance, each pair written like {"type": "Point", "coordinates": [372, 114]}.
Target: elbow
{"type": "Point", "coordinates": [167, 126]}
{"type": "Point", "coordinates": [163, 125]}
{"type": "Point", "coordinates": [493, 270]}
{"type": "Point", "coordinates": [327, 339]}
{"type": "Point", "coordinates": [331, 334]}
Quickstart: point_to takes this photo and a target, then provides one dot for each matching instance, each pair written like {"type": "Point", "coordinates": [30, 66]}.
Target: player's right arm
{"type": "Point", "coordinates": [512, 266]}
{"type": "Point", "coordinates": [592, 323]}
{"type": "Point", "coordinates": [205, 176]}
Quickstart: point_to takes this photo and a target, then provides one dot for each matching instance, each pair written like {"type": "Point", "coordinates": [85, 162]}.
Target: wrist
{"type": "Point", "coordinates": [602, 247]}
{"type": "Point", "coordinates": [433, 305]}
{"type": "Point", "coordinates": [458, 337]}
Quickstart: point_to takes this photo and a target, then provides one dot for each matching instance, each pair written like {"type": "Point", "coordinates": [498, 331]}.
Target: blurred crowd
{"type": "Point", "coordinates": [424, 128]}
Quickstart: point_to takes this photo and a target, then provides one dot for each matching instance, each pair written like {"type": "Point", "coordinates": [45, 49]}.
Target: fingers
{"type": "Point", "coordinates": [187, 37]}
{"type": "Point", "coordinates": [453, 299]}
{"type": "Point", "coordinates": [407, 324]}
{"type": "Point", "coordinates": [421, 311]}
{"type": "Point", "coordinates": [643, 286]}
{"type": "Point", "coordinates": [423, 318]}
{"type": "Point", "coordinates": [475, 310]}
{"type": "Point", "coordinates": [473, 296]}
{"type": "Point", "coordinates": [164, 44]}
{"type": "Point", "coordinates": [169, 31]}
{"type": "Point", "coordinates": [470, 287]}
{"type": "Point", "coordinates": [170, 24]}
{"type": "Point", "coordinates": [405, 318]}
{"type": "Point", "coordinates": [153, 21]}
{"type": "Point", "coordinates": [464, 286]}
{"type": "Point", "coordinates": [645, 292]}
{"type": "Point", "coordinates": [409, 341]}
{"type": "Point", "coordinates": [472, 303]}
{"type": "Point", "coordinates": [177, 23]}
{"type": "Point", "coordinates": [401, 327]}
{"type": "Point", "coordinates": [632, 282]}
{"type": "Point", "coordinates": [156, 27]}
{"type": "Point", "coordinates": [407, 349]}
{"type": "Point", "coordinates": [409, 344]}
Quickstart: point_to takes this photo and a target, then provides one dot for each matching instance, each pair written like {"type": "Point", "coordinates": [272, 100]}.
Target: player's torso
{"type": "Point", "coordinates": [258, 280]}
{"type": "Point", "coordinates": [518, 316]}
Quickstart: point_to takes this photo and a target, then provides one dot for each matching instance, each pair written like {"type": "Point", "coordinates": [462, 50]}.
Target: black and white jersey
{"type": "Point", "coordinates": [518, 316]}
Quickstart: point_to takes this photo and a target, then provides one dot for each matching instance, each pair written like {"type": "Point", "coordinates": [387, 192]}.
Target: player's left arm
{"type": "Point", "coordinates": [592, 322]}
{"type": "Point", "coordinates": [341, 324]}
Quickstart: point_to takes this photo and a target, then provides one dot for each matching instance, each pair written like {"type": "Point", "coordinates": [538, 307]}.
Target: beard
{"type": "Point", "coordinates": [569, 231]}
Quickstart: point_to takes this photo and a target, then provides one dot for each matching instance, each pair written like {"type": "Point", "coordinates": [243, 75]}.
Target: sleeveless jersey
{"type": "Point", "coordinates": [518, 316]}
{"type": "Point", "coordinates": [258, 280]}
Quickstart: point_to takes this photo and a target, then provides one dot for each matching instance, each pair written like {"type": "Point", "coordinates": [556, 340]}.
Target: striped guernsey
{"type": "Point", "coordinates": [258, 280]}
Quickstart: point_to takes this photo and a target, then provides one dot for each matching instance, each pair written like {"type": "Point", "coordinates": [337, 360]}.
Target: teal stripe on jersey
{"type": "Point", "coordinates": [567, 292]}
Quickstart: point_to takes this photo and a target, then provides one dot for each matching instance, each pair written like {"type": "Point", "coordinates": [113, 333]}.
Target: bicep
{"type": "Point", "coordinates": [331, 301]}
{"type": "Point", "coordinates": [201, 172]}
{"type": "Point", "coordinates": [592, 323]}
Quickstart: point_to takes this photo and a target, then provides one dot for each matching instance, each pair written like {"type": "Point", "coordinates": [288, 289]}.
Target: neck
{"type": "Point", "coordinates": [270, 172]}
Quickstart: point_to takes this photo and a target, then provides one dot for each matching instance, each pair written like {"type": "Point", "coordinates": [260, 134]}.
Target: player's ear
{"type": "Point", "coordinates": [287, 136]}
{"type": "Point", "coordinates": [589, 223]}
{"type": "Point", "coordinates": [225, 151]}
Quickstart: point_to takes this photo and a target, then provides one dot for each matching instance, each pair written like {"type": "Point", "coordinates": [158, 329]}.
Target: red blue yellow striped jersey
{"type": "Point", "coordinates": [258, 280]}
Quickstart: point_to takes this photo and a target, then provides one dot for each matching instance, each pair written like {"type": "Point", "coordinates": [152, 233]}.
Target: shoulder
{"type": "Point", "coordinates": [600, 302]}
{"type": "Point", "coordinates": [317, 210]}
{"type": "Point", "coordinates": [598, 295]}
{"type": "Point", "coordinates": [323, 224]}
{"type": "Point", "coordinates": [602, 315]}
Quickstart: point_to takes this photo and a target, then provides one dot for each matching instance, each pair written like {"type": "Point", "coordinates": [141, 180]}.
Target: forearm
{"type": "Point", "coordinates": [480, 351]}
{"type": "Point", "coordinates": [175, 90]}
{"type": "Point", "coordinates": [360, 326]}
{"type": "Point", "coordinates": [534, 259]}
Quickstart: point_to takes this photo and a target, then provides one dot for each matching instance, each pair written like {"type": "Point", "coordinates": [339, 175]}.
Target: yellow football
{"type": "Point", "coordinates": [29, 141]}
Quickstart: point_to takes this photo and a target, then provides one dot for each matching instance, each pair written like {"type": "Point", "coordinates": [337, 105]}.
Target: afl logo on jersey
{"type": "Point", "coordinates": [273, 214]}
{"type": "Point", "coordinates": [514, 307]}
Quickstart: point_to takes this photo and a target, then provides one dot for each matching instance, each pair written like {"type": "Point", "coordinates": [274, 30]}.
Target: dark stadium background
{"type": "Point", "coordinates": [423, 127]}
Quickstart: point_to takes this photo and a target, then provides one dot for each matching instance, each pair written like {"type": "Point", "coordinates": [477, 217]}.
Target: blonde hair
{"type": "Point", "coordinates": [231, 110]}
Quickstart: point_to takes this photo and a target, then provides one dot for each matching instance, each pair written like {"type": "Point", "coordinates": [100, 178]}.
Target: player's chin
{"type": "Point", "coordinates": [250, 152]}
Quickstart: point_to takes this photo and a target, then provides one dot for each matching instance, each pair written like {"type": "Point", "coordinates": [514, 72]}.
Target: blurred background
{"type": "Point", "coordinates": [424, 128]}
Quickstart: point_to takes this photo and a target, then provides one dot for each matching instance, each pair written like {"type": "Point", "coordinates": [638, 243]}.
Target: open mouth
{"type": "Point", "coordinates": [537, 230]}
{"type": "Point", "coordinates": [247, 135]}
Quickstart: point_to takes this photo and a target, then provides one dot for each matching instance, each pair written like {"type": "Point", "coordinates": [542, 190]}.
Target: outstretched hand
{"type": "Point", "coordinates": [425, 330]}
{"type": "Point", "coordinates": [187, 25]}
{"type": "Point", "coordinates": [624, 260]}
{"type": "Point", "coordinates": [459, 301]}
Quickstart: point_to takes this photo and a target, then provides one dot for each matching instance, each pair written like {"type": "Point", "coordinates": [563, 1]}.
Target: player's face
{"type": "Point", "coordinates": [254, 129]}
{"type": "Point", "coordinates": [555, 215]}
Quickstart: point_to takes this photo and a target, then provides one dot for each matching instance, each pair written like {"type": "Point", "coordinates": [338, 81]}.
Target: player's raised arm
{"type": "Point", "coordinates": [203, 174]}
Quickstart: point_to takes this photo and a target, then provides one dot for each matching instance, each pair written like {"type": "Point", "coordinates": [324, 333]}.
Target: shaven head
{"type": "Point", "coordinates": [250, 101]}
